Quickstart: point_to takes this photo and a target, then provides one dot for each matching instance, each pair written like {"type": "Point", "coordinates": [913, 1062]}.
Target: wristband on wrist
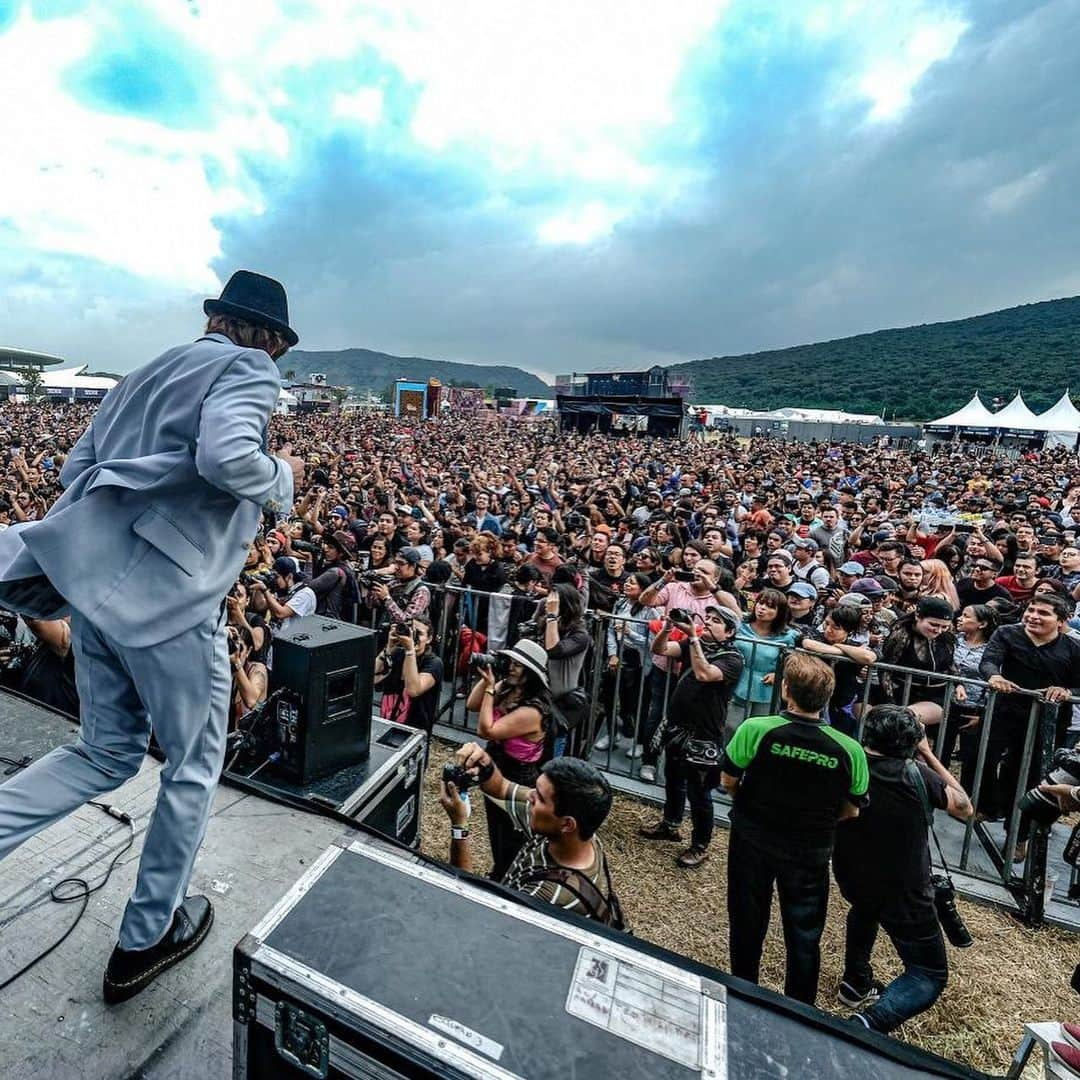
{"type": "Point", "coordinates": [458, 832]}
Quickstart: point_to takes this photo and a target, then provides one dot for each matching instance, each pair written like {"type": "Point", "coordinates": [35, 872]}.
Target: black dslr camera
{"type": "Point", "coordinates": [952, 922]}
{"type": "Point", "coordinates": [1064, 769]}
{"type": "Point", "coordinates": [498, 662]}
{"type": "Point", "coordinates": [463, 779]}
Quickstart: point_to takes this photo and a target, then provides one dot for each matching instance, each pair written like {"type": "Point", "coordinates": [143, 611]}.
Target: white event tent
{"type": "Point", "coordinates": [1057, 426]}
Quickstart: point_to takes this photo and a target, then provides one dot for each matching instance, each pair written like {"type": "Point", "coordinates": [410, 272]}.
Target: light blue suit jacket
{"type": "Point", "coordinates": [163, 496]}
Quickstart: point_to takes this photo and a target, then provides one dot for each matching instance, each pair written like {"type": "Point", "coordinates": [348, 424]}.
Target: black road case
{"type": "Point", "coordinates": [381, 792]}
{"type": "Point", "coordinates": [381, 964]}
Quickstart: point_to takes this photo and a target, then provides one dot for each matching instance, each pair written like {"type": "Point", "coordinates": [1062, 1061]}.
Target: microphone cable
{"type": "Point", "coordinates": [72, 890]}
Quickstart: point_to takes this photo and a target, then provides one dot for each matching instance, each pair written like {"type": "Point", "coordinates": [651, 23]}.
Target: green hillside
{"type": "Point", "coordinates": [363, 370]}
{"type": "Point", "coordinates": [918, 372]}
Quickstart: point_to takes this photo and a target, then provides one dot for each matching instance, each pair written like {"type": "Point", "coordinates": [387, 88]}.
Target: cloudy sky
{"type": "Point", "coordinates": [558, 185]}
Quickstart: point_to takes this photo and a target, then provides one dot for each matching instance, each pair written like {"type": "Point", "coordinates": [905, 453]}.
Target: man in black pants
{"type": "Point", "coordinates": [1035, 654]}
{"type": "Point", "coordinates": [792, 778]}
{"type": "Point", "coordinates": [882, 865]}
{"type": "Point", "coordinates": [695, 733]}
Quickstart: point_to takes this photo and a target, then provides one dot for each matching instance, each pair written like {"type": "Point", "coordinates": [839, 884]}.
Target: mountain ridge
{"type": "Point", "coordinates": [368, 369]}
{"type": "Point", "coordinates": [913, 372]}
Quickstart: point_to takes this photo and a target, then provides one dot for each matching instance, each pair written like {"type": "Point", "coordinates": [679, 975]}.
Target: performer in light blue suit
{"type": "Point", "coordinates": [163, 495]}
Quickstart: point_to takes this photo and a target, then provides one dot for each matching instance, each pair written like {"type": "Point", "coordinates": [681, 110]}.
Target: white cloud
{"type": "Point", "coordinates": [1007, 197]}
{"type": "Point", "coordinates": [365, 105]}
{"type": "Point", "coordinates": [582, 225]}
{"type": "Point", "coordinates": [892, 75]}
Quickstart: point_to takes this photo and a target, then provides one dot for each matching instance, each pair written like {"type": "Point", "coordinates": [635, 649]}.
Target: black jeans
{"type": "Point", "coordinates": [659, 692]}
{"type": "Point", "coordinates": [696, 782]}
{"type": "Point", "coordinates": [803, 887]}
{"type": "Point", "coordinates": [629, 678]}
{"type": "Point", "coordinates": [921, 949]}
{"type": "Point", "coordinates": [1004, 756]}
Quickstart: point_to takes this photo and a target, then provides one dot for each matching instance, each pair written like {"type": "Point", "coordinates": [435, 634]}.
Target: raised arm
{"type": "Point", "coordinates": [234, 414]}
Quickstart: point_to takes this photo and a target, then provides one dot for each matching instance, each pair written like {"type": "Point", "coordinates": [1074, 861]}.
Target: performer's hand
{"type": "Point", "coordinates": [295, 463]}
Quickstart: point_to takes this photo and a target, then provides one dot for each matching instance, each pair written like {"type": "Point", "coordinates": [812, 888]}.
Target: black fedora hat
{"type": "Point", "coordinates": [258, 299]}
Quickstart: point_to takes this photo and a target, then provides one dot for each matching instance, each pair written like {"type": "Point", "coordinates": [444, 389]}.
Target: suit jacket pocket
{"type": "Point", "coordinates": [158, 530]}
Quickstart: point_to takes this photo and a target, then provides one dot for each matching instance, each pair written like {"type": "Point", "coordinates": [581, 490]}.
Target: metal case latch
{"type": "Point", "coordinates": [302, 1040]}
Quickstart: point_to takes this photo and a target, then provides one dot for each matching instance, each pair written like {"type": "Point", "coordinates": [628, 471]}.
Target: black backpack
{"type": "Point", "coordinates": [604, 909]}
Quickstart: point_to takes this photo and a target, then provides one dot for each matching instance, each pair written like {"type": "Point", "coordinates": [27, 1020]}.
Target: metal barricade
{"type": "Point", "coordinates": [1009, 741]}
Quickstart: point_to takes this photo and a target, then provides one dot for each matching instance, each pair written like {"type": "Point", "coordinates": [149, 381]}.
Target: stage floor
{"type": "Point", "coordinates": [53, 1022]}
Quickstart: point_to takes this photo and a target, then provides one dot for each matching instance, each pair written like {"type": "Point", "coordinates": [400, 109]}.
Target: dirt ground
{"type": "Point", "coordinates": [1010, 975]}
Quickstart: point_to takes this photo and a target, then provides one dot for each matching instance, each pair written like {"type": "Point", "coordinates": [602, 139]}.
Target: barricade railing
{"type": "Point", "coordinates": [627, 704]}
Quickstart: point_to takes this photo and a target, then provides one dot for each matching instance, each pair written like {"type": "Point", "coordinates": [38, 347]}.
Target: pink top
{"type": "Point", "coordinates": [517, 747]}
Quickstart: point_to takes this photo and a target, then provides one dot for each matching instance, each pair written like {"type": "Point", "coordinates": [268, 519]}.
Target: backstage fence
{"type": "Point", "coordinates": [468, 622]}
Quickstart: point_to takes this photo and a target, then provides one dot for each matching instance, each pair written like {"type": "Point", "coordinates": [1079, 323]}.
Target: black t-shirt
{"type": "Point", "coordinates": [967, 594]}
{"type": "Point", "coordinates": [701, 707]}
{"type": "Point", "coordinates": [882, 857]}
{"type": "Point", "coordinates": [422, 710]}
{"type": "Point", "coordinates": [796, 774]}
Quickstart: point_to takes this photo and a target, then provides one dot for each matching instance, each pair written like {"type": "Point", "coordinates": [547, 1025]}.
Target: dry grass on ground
{"type": "Point", "coordinates": [1011, 975]}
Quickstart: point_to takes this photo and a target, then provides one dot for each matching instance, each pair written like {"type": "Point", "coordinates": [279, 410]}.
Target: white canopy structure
{"type": "Point", "coordinates": [1016, 415]}
{"type": "Point", "coordinates": [1061, 422]}
{"type": "Point", "coordinates": [1059, 425]}
{"type": "Point", "coordinates": [973, 415]}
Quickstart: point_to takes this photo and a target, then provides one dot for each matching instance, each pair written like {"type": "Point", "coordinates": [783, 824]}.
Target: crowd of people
{"type": "Point", "coordinates": [698, 579]}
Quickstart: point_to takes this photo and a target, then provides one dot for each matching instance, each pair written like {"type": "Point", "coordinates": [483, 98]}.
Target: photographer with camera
{"type": "Point", "coordinates": [334, 584]}
{"type": "Point", "coordinates": [882, 864]}
{"type": "Point", "coordinates": [561, 859]}
{"type": "Point", "coordinates": [410, 674]}
{"type": "Point", "coordinates": [693, 737]}
{"type": "Point", "coordinates": [691, 591]}
{"type": "Point", "coordinates": [249, 674]}
{"type": "Point", "coordinates": [513, 703]}
{"type": "Point", "coordinates": [294, 598]}
{"type": "Point", "coordinates": [405, 596]}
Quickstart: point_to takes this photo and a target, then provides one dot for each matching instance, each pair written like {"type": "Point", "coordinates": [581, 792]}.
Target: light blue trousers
{"type": "Point", "coordinates": [182, 687]}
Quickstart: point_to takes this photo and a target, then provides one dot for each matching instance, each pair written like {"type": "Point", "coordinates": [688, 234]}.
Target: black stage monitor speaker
{"type": "Point", "coordinates": [324, 721]}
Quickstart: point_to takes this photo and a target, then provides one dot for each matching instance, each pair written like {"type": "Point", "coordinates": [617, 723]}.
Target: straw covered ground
{"type": "Point", "coordinates": [1009, 976]}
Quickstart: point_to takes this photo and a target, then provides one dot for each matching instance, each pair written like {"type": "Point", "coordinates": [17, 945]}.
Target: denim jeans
{"type": "Point", "coordinates": [803, 887]}
{"type": "Point", "coordinates": [921, 949]}
{"type": "Point", "coordinates": [696, 782]}
{"type": "Point", "coordinates": [659, 692]}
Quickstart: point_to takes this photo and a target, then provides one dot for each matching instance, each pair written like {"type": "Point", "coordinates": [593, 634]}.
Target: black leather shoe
{"type": "Point", "coordinates": [129, 971]}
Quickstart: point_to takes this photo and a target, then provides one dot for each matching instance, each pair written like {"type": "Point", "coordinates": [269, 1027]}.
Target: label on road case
{"type": "Point", "coordinates": [640, 1005]}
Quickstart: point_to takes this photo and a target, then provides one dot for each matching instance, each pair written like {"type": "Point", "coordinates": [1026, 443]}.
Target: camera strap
{"type": "Point", "coordinates": [918, 780]}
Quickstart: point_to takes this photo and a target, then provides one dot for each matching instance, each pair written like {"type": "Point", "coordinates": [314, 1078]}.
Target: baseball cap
{"type": "Point", "coordinates": [732, 618]}
{"type": "Point", "coordinates": [935, 607]}
{"type": "Point", "coordinates": [853, 568]}
{"type": "Point", "coordinates": [411, 555]}
{"type": "Point", "coordinates": [340, 511]}
{"type": "Point", "coordinates": [603, 529]}
{"type": "Point", "coordinates": [804, 589]}
{"type": "Point", "coordinates": [855, 599]}
{"type": "Point", "coordinates": [868, 587]}
{"type": "Point", "coordinates": [284, 565]}
{"type": "Point", "coordinates": [806, 543]}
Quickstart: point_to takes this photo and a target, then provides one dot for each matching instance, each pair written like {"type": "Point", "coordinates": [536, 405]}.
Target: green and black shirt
{"type": "Point", "coordinates": [796, 774]}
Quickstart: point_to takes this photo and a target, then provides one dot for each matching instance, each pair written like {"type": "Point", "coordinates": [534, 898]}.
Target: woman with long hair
{"type": "Point", "coordinates": [938, 581]}
{"type": "Point", "coordinates": [514, 716]}
{"type": "Point", "coordinates": [566, 642]}
{"type": "Point", "coordinates": [974, 625]}
{"type": "Point", "coordinates": [761, 639]}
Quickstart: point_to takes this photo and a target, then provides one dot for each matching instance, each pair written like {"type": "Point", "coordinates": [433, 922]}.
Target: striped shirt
{"type": "Point", "coordinates": [535, 855]}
